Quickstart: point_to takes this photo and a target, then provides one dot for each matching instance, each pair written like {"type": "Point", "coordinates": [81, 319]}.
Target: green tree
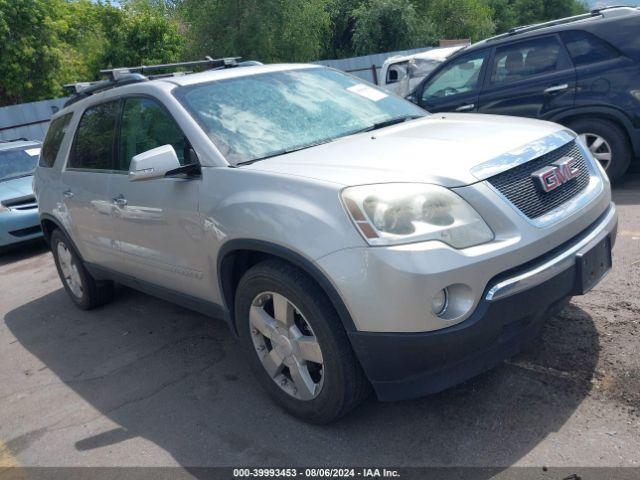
{"type": "Point", "coordinates": [138, 35]}
{"type": "Point", "coordinates": [511, 13]}
{"type": "Point", "coordinates": [47, 43]}
{"type": "Point", "coordinates": [504, 14]}
{"type": "Point", "coordinates": [31, 50]}
{"type": "Point", "coordinates": [387, 25]}
{"type": "Point", "coordinates": [462, 19]}
{"type": "Point", "coordinates": [264, 30]}
{"type": "Point", "coordinates": [340, 42]}
{"type": "Point", "coordinates": [562, 8]}
{"type": "Point", "coordinates": [84, 38]}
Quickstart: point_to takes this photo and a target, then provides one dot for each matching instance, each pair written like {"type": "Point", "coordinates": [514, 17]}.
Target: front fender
{"type": "Point", "coordinates": [302, 215]}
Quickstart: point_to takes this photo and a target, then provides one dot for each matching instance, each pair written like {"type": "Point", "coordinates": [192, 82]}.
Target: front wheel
{"type": "Point", "coordinates": [296, 344]}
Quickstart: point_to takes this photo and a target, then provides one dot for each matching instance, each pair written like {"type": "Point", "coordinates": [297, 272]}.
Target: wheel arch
{"type": "Point", "coordinates": [604, 113]}
{"type": "Point", "coordinates": [238, 255]}
{"type": "Point", "coordinates": [49, 223]}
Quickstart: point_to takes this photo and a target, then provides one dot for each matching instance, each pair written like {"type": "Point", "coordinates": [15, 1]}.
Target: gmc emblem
{"type": "Point", "coordinates": [559, 172]}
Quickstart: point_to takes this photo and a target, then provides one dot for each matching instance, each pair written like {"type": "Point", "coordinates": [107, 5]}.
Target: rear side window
{"type": "Point", "coordinates": [527, 59]}
{"type": "Point", "coordinates": [93, 145]}
{"type": "Point", "coordinates": [146, 125]}
{"type": "Point", "coordinates": [53, 140]}
{"type": "Point", "coordinates": [586, 48]}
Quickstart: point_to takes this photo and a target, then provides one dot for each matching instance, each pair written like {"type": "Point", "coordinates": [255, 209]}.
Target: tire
{"type": "Point", "coordinates": [339, 385]}
{"type": "Point", "coordinates": [85, 291]}
{"type": "Point", "coordinates": [614, 136]}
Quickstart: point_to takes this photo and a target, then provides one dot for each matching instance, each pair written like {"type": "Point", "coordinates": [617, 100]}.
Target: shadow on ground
{"type": "Point", "coordinates": [627, 190]}
{"type": "Point", "coordinates": [22, 251]}
{"type": "Point", "coordinates": [178, 379]}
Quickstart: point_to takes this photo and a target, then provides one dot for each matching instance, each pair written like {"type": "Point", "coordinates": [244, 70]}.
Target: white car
{"type": "Point", "coordinates": [400, 74]}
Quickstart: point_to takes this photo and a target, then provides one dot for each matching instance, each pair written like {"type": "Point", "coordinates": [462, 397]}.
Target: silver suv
{"type": "Point", "coordinates": [350, 239]}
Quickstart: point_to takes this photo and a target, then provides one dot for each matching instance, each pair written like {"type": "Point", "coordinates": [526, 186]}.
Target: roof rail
{"type": "Point", "coordinates": [117, 77]}
{"type": "Point", "coordinates": [208, 63]}
{"type": "Point", "coordinates": [20, 139]}
{"type": "Point", "coordinates": [561, 21]}
{"type": "Point", "coordinates": [597, 11]}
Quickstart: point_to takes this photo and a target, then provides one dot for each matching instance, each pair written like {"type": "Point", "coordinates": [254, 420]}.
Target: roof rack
{"type": "Point", "coordinates": [20, 139]}
{"type": "Point", "coordinates": [561, 21]}
{"type": "Point", "coordinates": [117, 77]}
{"type": "Point", "coordinates": [208, 63]}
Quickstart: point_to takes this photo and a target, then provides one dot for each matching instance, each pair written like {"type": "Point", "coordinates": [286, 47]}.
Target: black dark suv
{"type": "Point", "coordinates": [582, 72]}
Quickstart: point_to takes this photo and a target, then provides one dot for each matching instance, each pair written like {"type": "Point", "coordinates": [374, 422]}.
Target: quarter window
{"type": "Point", "coordinates": [93, 146]}
{"type": "Point", "coordinates": [53, 140]}
{"type": "Point", "coordinates": [460, 76]}
{"type": "Point", "coordinates": [146, 125]}
{"type": "Point", "coordinates": [585, 48]}
{"type": "Point", "coordinates": [527, 59]}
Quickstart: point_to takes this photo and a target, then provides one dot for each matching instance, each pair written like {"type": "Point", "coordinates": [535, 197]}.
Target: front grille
{"type": "Point", "coordinates": [518, 186]}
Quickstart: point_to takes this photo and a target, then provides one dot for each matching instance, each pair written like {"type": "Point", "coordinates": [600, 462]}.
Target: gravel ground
{"type": "Point", "coordinates": [142, 382]}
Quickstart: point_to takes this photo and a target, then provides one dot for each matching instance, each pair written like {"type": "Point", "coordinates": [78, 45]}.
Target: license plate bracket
{"type": "Point", "coordinates": [592, 265]}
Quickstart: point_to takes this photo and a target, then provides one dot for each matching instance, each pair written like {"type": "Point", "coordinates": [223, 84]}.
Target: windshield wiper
{"type": "Point", "coordinates": [388, 123]}
{"type": "Point", "coordinates": [287, 150]}
{"type": "Point", "coordinates": [16, 176]}
{"type": "Point", "coordinates": [375, 126]}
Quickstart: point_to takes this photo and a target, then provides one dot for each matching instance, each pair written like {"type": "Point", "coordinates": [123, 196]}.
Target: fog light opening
{"type": "Point", "coordinates": [440, 302]}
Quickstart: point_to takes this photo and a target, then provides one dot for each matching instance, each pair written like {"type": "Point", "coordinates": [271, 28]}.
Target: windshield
{"type": "Point", "coordinates": [18, 163]}
{"type": "Point", "coordinates": [257, 116]}
{"type": "Point", "coordinates": [423, 66]}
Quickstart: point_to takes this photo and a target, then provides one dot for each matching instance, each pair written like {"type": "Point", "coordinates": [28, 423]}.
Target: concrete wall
{"type": "Point", "coordinates": [28, 120]}
{"type": "Point", "coordinates": [361, 66]}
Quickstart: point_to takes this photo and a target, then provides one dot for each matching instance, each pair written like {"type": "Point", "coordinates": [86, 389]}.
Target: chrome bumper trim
{"type": "Point", "coordinates": [557, 264]}
{"type": "Point", "coordinates": [522, 154]}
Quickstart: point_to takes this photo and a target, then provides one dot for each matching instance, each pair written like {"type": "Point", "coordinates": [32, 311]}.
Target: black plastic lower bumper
{"type": "Point", "coordinates": [409, 365]}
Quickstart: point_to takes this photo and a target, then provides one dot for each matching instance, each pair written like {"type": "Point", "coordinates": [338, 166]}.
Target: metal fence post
{"type": "Point", "coordinates": [374, 73]}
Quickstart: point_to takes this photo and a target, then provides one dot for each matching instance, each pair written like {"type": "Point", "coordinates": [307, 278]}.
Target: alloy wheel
{"type": "Point", "coordinates": [598, 147]}
{"type": "Point", "coordinates": [69, 269]}
{"type": "Point", "coordinates": [286, 345]}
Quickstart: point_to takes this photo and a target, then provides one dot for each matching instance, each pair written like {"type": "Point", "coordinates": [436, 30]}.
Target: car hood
{"type": "Point", "coordinates": [441, 149]}
{"type": "Point", "coordinates": [18, 187]}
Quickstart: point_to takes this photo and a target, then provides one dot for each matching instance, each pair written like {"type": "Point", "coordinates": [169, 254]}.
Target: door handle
{"type": "Point", "coordinates": [67, 194]}
{"type": "Point", "coordinates": [465, 108]}
{"type": "Point", "coordinates": [120, 201]}
{"type": "Point", "coordinates": [557, 88]}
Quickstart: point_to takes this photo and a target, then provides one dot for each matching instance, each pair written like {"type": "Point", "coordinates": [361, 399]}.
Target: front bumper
{"type": "Point", "coordinates": [19, 226]}
{"type": "Point", "coordinates": [511, 313]}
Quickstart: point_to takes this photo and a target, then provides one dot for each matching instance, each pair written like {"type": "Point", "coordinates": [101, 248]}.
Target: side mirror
{"type": "Point", "coordinates": [154, 163]}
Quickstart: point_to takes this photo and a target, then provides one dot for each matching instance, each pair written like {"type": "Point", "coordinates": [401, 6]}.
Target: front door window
{"type": "Point", "coordinates": [460, 76]}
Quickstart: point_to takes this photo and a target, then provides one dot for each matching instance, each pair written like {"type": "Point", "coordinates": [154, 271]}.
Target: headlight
{"type": "Point", "coordinates": [397, 213]}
